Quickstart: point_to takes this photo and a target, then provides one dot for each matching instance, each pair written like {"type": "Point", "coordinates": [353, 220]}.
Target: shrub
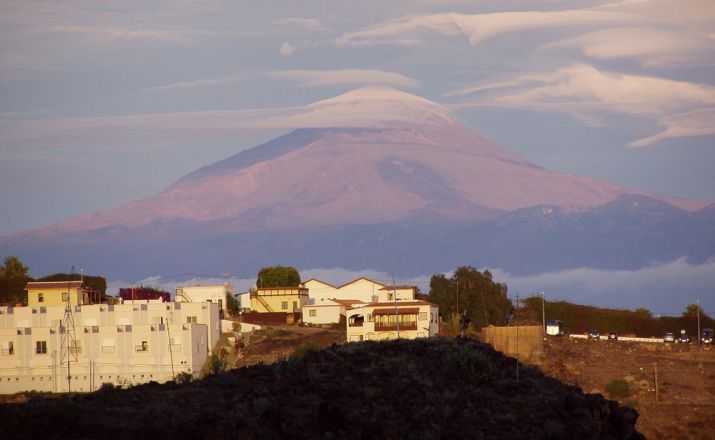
{"type": "Point", "coordinates": [183, 377]}
{"type": "Point", "coordinates": [466, 359]}
{"type": "Point", "coordinates": [305, 348]}
{"type": "Point", "coordinates": [618, 389]}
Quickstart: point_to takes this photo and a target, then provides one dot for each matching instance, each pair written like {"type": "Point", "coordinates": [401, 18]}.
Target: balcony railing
{"type": "Point", "coordinates": [393, 327]}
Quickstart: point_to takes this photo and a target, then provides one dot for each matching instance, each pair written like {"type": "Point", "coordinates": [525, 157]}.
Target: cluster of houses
{"type": "Point", "coordinates": [66, 339]}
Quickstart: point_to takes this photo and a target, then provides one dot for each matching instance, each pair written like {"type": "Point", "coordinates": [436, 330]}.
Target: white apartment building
{"type": "Point", "coordinates": [213, 293]}
{"type": "Point", "coordinates": [119, 344]}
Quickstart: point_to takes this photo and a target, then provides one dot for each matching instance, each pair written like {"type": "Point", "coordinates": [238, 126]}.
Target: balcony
{"type": "Point", "coordinates": [393, 327]}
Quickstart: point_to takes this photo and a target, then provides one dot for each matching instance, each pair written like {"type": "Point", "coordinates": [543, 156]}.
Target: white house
{"type": "Point", "coordinates": [118, 344]}
{"type": "Point", "coordinates": [327, 302]}
{"type": "Point", "coordinates": [362, 289]}
{"type": "Point", "coordinates": [212, 293]}
{"type": "Point", "coordinates": [392, 320]}
{"type": "Point", "coordinates": [327, 312]}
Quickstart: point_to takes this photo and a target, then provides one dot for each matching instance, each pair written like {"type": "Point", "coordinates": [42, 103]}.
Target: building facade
{"type": "Point", "coordinates": [361, 289]}
{"type": "Point", "coordinates": [278, 299]}
{"type": "Point", "coordinates": [392, 320]}
{"type": "Point", "coordinates": [60, 293]}
{"type": "Point", "coordinates": [215, 293]}
{"type": "Point", "coordinates": [328, 312]}
{"type": "Point", "coordinates": [118, 344]}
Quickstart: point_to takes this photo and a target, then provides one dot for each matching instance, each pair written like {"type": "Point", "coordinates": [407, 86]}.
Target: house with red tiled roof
{"type": "Point", "coordinates": [392, 320]}
{"type": "Point", "coordinates": [327, 303]}
{"type": "Point", "coordinates": [363, 289]}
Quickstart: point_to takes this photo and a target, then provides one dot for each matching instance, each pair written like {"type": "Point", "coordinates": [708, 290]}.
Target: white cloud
{"type": "Point", "coordinates": [662, 288]}
{"type": "Point", "coordinates": [300, 25]}
{"type": "Point", "coordinates": [586, 93]}
{"type": "Point", "coordinates": [204, 82]}
{"type": "Point", "coordinates": [321, 78]}
{"type": "Point", "coordinates": [287, 49]}
{"type": "Point", "coordinates": [409, 30]}
{"type": "Point", "coordinates": [695, 123]}
{"type": "Point", "coordinates": [654, 47]}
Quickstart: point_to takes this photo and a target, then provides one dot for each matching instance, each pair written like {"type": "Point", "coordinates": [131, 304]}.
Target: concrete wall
{"type": "Point", "coordinates": [525, 342]}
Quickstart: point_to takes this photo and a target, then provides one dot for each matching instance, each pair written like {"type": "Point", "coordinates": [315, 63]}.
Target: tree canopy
{"type": "Point", "coordinates": [14, 275]}
{"type": "Point", "coordinates": [14, 268]}
{"type": "Point", "coordinates": [278, 276]}
{"type": "Point", "coordinates": [91, 281]}
{"type": "Point", "coordinates": [476, 292]}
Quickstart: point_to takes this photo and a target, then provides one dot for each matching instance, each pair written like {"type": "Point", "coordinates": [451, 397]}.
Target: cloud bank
{"type": "Point", "coordinates": [664, 289]}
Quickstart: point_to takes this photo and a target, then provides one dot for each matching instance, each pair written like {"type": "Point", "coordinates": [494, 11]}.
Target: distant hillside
{"type": "Point", "coordinates": [422, 389]}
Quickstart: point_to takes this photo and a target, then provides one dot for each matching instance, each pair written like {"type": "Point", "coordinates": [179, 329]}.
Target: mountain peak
{"type": "Point", "coordinates": [376, 105]}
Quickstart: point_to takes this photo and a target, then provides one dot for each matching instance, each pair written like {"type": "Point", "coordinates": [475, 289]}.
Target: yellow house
{"type": "Point", "coordinates": [59, 293]}
{"type": "Point", "coordinates": [279, 299]}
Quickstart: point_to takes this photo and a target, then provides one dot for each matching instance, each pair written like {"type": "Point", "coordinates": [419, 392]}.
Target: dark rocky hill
{"type": "Point", "coordinates": [424, 389]}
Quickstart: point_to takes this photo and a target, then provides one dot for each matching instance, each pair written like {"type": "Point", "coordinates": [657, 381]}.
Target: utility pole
{"type": "Point", "coordinates": [516, 313]}
{"type": "Point", "coordinates": [655, 369]}
{"type": "Point", "coordinates": [394, 296]}
{"type": "Point", "coordinates": [543, 316]}
{"type": "Point", "coordinates": [698, 335]}
{"type": "Point", "coordinates": [457, 296]}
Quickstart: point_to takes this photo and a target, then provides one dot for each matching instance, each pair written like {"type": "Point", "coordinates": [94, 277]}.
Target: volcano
{"type": "Point", "coordinates": [376, 178]}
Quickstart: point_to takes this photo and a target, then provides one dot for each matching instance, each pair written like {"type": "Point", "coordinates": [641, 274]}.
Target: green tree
{"type": "Point", "coordinates": [691, 310]}
{"type": "Point", "coordinates": [14, 275]}
{"type": "Point", "coordinates": [14, 268]}
{"type": "Point", "coordinates": [476, 292]}
{"type": "Point", "coordinates": [278, 276]}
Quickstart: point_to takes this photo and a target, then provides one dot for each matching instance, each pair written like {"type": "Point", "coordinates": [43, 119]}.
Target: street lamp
{"type": "Point", "coordinates": [698, 335]}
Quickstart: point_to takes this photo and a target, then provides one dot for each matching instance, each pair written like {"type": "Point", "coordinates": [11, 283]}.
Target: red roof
{"type": "Point", "coordinates": [398, 311]}
{"type": "Point", "coordinates": [400, 286]}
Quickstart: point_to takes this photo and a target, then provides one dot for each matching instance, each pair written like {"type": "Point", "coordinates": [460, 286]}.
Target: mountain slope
{"type": "Point", "coordinates": [374, 166]}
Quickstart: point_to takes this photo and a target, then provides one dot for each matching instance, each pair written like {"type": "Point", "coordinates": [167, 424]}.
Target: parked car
{"type": "Point", "coordinates": [669, 337]}
{"type": "Point", "coordinates": [612, 336]}
{"type": "Point", "coordinates": [594, 334]}
{"type": "Point", "coordinates": [683, 338]}
{"type": "Point", "coordinates": [706, 336]}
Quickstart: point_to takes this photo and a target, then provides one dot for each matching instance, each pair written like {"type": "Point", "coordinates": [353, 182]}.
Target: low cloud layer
{"type": "Point", "coordinates": [664, 289]}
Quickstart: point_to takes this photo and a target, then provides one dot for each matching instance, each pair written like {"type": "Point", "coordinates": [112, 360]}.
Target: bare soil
{"type": "Point", "coordinates": [685, 407]}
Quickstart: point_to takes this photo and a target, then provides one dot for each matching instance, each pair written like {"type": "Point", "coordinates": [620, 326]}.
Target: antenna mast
{"type": "Point", "coordinates": [68, 344]}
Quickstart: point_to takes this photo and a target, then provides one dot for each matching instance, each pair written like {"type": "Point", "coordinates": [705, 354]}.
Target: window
{"type": "Point", "coordinates": [423, 316]}
{"type": "Point", "coordinates": [311, 312]}
{"type": "Point", "coordinates": [284, 305]}
{"type": "Point", "coordinates": [144, 346]}
{"type": "Point", "coordinates": [8, 348]}
{"type": "Point", "coordinates": [40, 297]}
{"type": "Point", "coordinates": [65, 296]}
{"type": "Point", "coordinates": [191, 319]}
{"type": "Point", "coordinates": [41, 347]}
{"type": "Point", "coordinates": [108, 345]}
